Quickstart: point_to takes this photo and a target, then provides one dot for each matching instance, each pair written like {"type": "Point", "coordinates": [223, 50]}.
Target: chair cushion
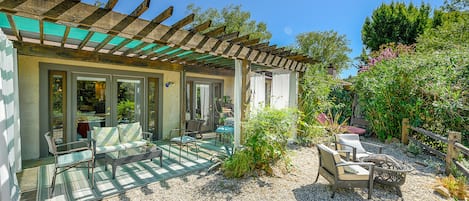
{"type": "Point", "coordinates": [105, 136]}
{"type": "Point", "coordinates": [73, 158]}
{"type": "Point", "coordinates": [106, 149]}
{"type": "Point", "coordinates": [354, 129]}
{"type": "Point", "coordinates": [352, 140]}
{"type": "Point", "coordinates": [225, 129]}
{"type": "Point", "coordinates": [354, 172]}
{"type": "Point", "coordinates": [134, 144]}
{"type": "Point", "coordinates": [130, 132]}
{"type": "Point", "coordinates": [183, 139]}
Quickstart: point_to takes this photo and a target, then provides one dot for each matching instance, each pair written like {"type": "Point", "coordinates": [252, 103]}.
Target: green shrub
{"type": "Point", "coordinates": [266, 134]}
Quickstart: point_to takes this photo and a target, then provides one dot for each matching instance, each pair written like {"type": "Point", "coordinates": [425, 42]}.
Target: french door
{"type": "Point", "coordinates": [105, 100]}
{"type": "Point", "coordinates": [201, 97]}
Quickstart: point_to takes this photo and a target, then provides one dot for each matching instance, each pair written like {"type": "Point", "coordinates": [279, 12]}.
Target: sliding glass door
{"type": "Point", "coordinates": [201, 96]}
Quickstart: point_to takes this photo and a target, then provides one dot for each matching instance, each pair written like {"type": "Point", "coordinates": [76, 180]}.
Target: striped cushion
{"type": "Point", "coordinates": [130, 132]}
{"type": "Point", "coordinates": [105, 136]}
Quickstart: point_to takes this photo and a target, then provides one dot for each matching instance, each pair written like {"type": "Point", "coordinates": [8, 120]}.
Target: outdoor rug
{"type": "Point", "coordinates": [74, 185]}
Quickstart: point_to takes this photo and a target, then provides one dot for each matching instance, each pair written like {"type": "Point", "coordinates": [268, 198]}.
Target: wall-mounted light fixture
{"type": "Point", "coordinates": [169, 84]}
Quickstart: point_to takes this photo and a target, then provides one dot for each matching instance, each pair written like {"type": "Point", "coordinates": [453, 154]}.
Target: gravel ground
{"type": "Point", "coordinates": [295, 185]}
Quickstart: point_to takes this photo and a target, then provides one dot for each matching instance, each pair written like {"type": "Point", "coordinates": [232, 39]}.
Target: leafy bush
{"type": "Point", "coordinates": [456, 186]}
{"type": "Point", "coordinates": [125, 111]}
{"type": "Point", "coordinates": [266, 143]}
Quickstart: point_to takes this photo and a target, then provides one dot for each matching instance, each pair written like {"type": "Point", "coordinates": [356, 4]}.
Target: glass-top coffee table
{"type": "Point", "coordinates": [131, 155]}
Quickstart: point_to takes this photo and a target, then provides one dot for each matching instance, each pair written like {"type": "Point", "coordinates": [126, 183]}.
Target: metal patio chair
{"type": "Point", "coordinates": [182, 139]}
{"type": "Point", "coordinates": [352, 144]}
{"type": "Point", "coordinates": [70, 158]}
{"type": "Point", "coordinates": [341, 173]}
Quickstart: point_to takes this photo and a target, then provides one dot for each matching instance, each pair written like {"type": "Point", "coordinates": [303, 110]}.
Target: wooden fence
{"type": "Point", "coordinates": [453, 141]}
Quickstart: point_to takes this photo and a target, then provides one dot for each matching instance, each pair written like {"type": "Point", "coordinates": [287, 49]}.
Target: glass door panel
{"type": "Point", "coordinates": [153, 107]}
{"type": "Point", "coordinates": [58, 105]}
{"type": "Point", "coordinates": [91, 106]}
{"type": "Point", "coordinates": [129, 100]}
{"type": "Point", "coordinates": [203, 105]}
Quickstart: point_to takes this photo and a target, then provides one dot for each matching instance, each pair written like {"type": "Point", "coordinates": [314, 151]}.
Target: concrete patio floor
{"type": "Point", "coordinates": [28, 178]}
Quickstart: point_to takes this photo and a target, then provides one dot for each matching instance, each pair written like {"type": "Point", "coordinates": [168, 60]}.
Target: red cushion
{"type": "Point", "coordinates": [356, 130]}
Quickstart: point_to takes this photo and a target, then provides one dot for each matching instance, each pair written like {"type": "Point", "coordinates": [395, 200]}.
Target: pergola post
{"type": "Point", "coordinates": [293, 97]}
{"type": "Point", "coordinates": [182, 95]}
{"type": "Point", "coordinates": [241, 94]}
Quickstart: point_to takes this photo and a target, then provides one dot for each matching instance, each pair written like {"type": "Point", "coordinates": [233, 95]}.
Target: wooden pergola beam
{"type": "Point", "coordinates": [154, 23]}
{"type": "Point", "coordinates": [240, 39]}
{"type": "Point", "coordinates": [97, 14]}
{"type": "Point", "coordinates": [41, 31]}
{"type": "Point", "coordinates": [229, 36]}
{"type": "Point", "coordinates": [178, 25]}
{"type": "Point", "coordinates": [84, 41]}
{"type": "Point", "coordinates": [259, 45]}
{"type": "Point", "coordinates": [64, 38]}
{"type": "Point", "coordinates": [251, 42]}
{"type": "Point", "coordinates": [130, 26]}
{"type": "Point", "coordinates": [118, 47]}
{"type": "Point", "coordinates": [193, 31]}
{"type": "Point", "coordinates": [135, 49]}
{"type": "Point", "coordinates": [216, 32]}
{"type": "Point", "coordinates": [14, 29]}
{"type": "Point", "coordinates": [59, 9]}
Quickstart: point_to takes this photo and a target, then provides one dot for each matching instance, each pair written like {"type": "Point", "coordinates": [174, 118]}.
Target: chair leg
{"type": "Point", "coordinates": [334, 188]}
{"type": "Point", "coordinates": [169, 154]}
{"type": "Point", "coordinates": [92, 176]}
{"type": "Point", "coordinates": [180, 148]}
{"type": "Point", "coordinates": [317, 177]}
{"type": "Point", "coordinates": [196, 150]}
{"type": "Point", "coordinates": [52, 187]}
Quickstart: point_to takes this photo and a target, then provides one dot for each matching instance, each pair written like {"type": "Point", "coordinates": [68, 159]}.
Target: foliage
{"type": "Point", "coordinates": [310, 134]}
{"type": "Point", "coordinates": [234, 18]}
{"type": "Point", "coordinates": [125, 110]}
{"type": "Point", "coordinates": [387, 52]}
{"type": "Point", "coordinates": [315, 86]}
{"type": "Point", "coordinates": [451, 32]}
{"type": "Point", "coordinates": [266, 143]}
{"type": "Point", "coordinates": [328, 48]}
{"type": "Point", "coordinates": [413, 149]}
{"type": "Point", "coordinates": [429, 88]}
{"type": "Point", "coordinates": [456, 5]}
{"type": "Point", "coordinates": [333, 124]}
{"type": "Point", "coordinates": [341, 102]}
{"type": "Point", "coordinates": [457, 187]}
{"type": "Point", "coordinates": [396, 23]}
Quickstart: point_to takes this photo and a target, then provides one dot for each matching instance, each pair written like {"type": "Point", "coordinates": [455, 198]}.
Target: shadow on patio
{"type": "Point", "coordinates": [74, 185]}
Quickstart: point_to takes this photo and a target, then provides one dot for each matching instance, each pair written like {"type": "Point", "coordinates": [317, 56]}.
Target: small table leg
{"type": "Point", "coordinates": [114, 171]}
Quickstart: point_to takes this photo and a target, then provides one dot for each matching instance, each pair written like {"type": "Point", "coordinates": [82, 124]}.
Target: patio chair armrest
{"type": "Point", "coordinates": [347, 154]}
{"type": "Point", "coordinates": [87, 142]}
{"type": "Point", "coordinates": [354, 150]}
{"type": "Point", "coordinates": [147, 135]}
{"type": "Point", "coordinates": [73, 150]}
{"type": "Point", "coordinates": [380, 148]}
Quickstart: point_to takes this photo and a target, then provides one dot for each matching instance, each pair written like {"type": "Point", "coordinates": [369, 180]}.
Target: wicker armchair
{"type": "Point", "coordinates": [71, 158]}
{"type": "Point", "coordinates": [351, 143]}
{"type": "Point", "coordinates": [341, 173]}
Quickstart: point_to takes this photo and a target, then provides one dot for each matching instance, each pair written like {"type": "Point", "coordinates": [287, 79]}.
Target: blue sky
{"type": "Point", "coordinates": [286, 18]}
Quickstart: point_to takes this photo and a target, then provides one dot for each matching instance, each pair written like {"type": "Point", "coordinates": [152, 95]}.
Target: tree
{"type": "Point", "coordinates": [396, 23]}
{"type": "Point", "coordinates": [327, 47]}
{"type": "Point", "coordinates": [234, 18]}
{"type": "Point", "coordinates": [456, 5]}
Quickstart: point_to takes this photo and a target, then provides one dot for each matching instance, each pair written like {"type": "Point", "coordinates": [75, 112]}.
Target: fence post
{"type": "Point", "coordinates": [405, 131]}
{"type": "Point", "coordinates": [452, 152]}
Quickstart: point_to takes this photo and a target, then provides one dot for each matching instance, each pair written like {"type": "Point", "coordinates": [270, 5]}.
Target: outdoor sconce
{"type": "Point", "coordinates": [169, 84]}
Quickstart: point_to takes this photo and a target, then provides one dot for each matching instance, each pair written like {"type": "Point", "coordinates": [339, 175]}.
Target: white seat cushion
{"type": "Point", "coordinates": [351, 140]}
{"type": "Point", "coordinates": [134, 144]}
{"type": "Point", "coordinates": [73, 158]}
{"type": "Point", "coordinates": [130, 132]}
{"type": "Point", "coordinates": [183, 140]}
{"type": "Point", "coordinates": [106, 149]}
{"type": "Point", "coordinates": [354, 172]}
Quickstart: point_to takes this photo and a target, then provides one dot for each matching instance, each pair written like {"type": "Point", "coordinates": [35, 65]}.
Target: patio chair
{"type": "Point", "coordinates": [351, 143]}
{"type": "Point", "coordinates": [71, 158]}
{"type": "Point", "coordinates": [193, 127]}
{"type": "Point", "coordinates": [340, 173]}
{"type": "Point", "coordinates": [182, 140]}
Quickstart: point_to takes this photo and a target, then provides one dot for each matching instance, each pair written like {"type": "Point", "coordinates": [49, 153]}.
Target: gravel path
{"type": "Point", "coordinates": [295, 185]}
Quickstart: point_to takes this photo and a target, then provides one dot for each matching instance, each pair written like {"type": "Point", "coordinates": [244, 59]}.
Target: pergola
{"type": "Point", "coordinates": [75, 30]}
